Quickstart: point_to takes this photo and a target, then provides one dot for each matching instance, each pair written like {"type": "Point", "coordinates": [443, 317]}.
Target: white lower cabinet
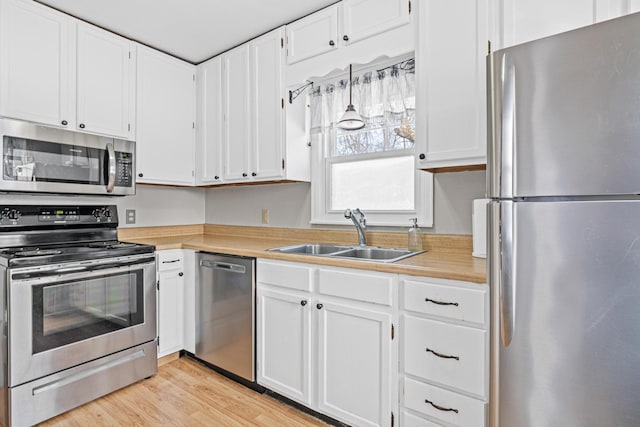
{"type": "Point", "coordinates": [170, 266]}
{"type": "Point", "coordinates": [320, 344]}
{"type": "Point", "coordinates": [444, 352]}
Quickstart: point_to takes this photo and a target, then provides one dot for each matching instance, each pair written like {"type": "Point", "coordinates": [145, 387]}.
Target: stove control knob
{"type": "Point", "coordinates": [14, 214]}
{"type": "Point", "coordinates": [96, 213]}
{"type": "Point", "coordinates": [107, 213]}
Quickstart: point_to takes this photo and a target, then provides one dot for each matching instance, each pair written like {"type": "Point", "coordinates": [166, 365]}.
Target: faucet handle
{"type": "Point", "coordinates": [347, 213]}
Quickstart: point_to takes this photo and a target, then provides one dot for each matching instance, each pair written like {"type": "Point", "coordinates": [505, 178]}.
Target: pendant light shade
{"type": "Point", "coordinates": [350, 120]}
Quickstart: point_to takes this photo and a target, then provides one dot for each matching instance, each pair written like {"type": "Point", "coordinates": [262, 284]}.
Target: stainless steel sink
{"type": "Point", "coordinates": [312, 249]}
{"type": "Point", "coordinates": [363, 253]}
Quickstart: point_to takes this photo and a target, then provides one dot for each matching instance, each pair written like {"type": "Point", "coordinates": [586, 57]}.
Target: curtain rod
{"type": "Point", "coordinates": [407, 64]}
{"type": "Point", "coordinates": [293, 94]}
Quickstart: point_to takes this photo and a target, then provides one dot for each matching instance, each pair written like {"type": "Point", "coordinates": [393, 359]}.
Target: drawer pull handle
{"type": "Point", "coordinates": [440, 408]}
{"type": "Point", "coordinates": [170, 262]}
{"type": "Point", "coordinates": [440, 302]}
{"type": "Point", "coordinates": [443, 356]}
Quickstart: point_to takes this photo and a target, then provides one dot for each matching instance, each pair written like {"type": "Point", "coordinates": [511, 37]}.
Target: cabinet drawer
{"type": "Point", "coordinates": [454, 408]}
{"type": "Point", "coordinates": [410, 420]}
{"type": "Point", "coordinates": [447, 354]}
{"type": "Point", "coordinates": [292, 276]}
{"type": "Point", "coordinates": [170, 260]}
{"type": "Point", "coordinates": [375, 288]}
{"type": "Point", "coordinates": [446, 301]}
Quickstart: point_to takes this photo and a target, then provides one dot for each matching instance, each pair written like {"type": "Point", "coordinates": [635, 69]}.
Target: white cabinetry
{"type": "Point", "coordinates": [170, 265]}
{"type": "Point", "coordinates": [165, 119]}
{"type": "Point", "coordinates": [105, 82]}
{"type": "Point", "coordinates": [325, 339]}
{"type": "Point", "coordinates": [253, 109]}
{"type": "Point", "coordinates": [362, 19]}
{"type": "Point", "coordinates": [444, 352]}
{"type": "Point", "coordinates": [312, 35]}
{"type": "Point", "coordinates": [58, 71]}
{"type": "Point", "coordinates": [209, 122]}
{"type": "Point", "coordinates": [343, 24]}
{"type": "Point", "coordinates": [528, 20]}
{"type": "Point", "coordinates": [451, 83]}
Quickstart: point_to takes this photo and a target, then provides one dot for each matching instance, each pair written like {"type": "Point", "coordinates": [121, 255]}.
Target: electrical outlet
{"type": "Point", "coordinates": [130, 215]}
{"type": "Point", "coordinates": [265, 216]}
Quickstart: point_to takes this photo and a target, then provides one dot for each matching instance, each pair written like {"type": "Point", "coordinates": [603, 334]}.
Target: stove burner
{"type": "Point", "coordinates": [37, 252]}
{"type": "Point", "coordinates": [111, 245]}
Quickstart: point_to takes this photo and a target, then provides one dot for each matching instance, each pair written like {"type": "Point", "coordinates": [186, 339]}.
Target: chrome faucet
{"type": "Point", "coordinates": [360, 221]}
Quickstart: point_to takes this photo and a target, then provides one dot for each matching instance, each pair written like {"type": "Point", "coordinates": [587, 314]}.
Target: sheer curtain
{"type": "Point", "coordinates": [382, 97]}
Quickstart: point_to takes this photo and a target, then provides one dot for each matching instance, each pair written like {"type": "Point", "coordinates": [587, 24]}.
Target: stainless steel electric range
{"type": "Point", "coordinates": [79, 309]}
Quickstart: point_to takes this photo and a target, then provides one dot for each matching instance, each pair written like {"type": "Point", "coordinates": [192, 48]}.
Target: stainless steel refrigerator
{"type": "Point", "coordinates": [564, 229]}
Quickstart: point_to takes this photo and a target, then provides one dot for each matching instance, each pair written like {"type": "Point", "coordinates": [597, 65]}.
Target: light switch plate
{"type": "Point", "coordinates": [265, 216]}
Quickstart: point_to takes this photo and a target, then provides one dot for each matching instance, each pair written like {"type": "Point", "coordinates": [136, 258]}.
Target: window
{"type": "Point", "coordinates": [372, 168]}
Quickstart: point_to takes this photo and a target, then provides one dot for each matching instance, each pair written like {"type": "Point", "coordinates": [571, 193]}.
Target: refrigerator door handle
{"type": "Point", "coordinates": [507, 273]}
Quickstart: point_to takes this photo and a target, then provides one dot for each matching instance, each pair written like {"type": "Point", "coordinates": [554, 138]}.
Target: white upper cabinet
{"type": "Point", "coordinates": [451, 83]}
{"type": "Point", "coordinates": [365, 18]}
{"type": "Point", "coordinates": [343, 24]}
{"type": "Point", "coordinates": [526, 20]}
{"type": "Point", "coordinates": [165, 119]}
{"type": "Point", "coordinates": [209, 122]}
{"type": "Point", "coordinates": [106, 72]}
{"type": "Point", "coordinates": [36, 60]}
{"type": "Point", "coordinates": [312, 35]}
{"type": "Point", "coordinates": [267, 105]}
{"type": "Point", "coordinates": [236, 111]}
{"type": "Point", "coordinates": [58, 71]}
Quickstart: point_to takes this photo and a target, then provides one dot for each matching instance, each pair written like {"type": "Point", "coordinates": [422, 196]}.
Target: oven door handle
{"type": "Point", "coordinates": [112, 168]}
{"type": "Point", "coordinates": [81, 270]}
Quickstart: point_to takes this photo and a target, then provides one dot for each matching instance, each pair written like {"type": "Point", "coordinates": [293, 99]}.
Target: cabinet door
{"type": "Point", "coordinates": [529, 20]}
{"type": "Point", "coordinates": [104, 82]}
{"type": "Point", "coordinates": [366, 18]}
{"type": "Point", "coordinates": [165, 119]}
{"type": "Point", "coordinates": [170, 313]}
{"type": "Point", "coordinates": [209, 129]}
{"type": "Point", "coordinates": [354, 364]}
{"type": "Point", "coordinates": [237, 119]}
{"type": "Point", "coordinates": [267, 104]}
{"type": "Point", "coordinates": [36, 61]}
{"type": "Point", "coordinates": [284, 343]}
{"type": "Point", "coordinates": [312, 35]}
{"type": "Point", "coordinates": [451, 83]}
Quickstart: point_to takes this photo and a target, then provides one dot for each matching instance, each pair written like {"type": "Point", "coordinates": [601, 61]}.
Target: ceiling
{"type": "Point", "coordinates": [193, 30]}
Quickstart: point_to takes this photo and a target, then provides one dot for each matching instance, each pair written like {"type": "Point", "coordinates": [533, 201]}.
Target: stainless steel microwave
{"type": "Point", "coordinates": [42, 159]}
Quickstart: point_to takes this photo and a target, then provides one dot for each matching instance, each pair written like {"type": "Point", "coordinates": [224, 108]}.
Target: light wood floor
{"type": "Point", "coordinates": [185, 393]}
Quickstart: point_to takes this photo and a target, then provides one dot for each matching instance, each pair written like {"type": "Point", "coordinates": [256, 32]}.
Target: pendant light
{"type": "Point", "coordinates": [350, 120]}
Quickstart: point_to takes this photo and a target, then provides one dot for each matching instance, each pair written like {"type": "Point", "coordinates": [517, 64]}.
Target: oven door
{"type": "Point", "coordinates": [67, 314]}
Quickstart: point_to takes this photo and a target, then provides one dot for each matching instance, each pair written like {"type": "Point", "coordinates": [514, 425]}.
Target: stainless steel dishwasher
{"type": "Point", "coordinates": [225, 313]}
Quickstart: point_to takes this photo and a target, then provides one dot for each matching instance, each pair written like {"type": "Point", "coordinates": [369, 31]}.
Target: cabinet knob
{"type": "Point", "coordinates": [181, 274]}
{"type": "Point", "coordinates": [422, 156]}
{"type": "Point", "coordinates": [254, 174]}
{"type": "Point", "coordinates": [140, 175]}
{"type": "Point", "coordinates": [303, 302]}
{"type": "Point", "coordinates": [244, 174]}
{"type": "Point", "coordinates": [345, 38]}
{"type": "Point", "coordinates": [332, 43]}
{"type": "Point", "coordinates": [319, 306]}
{"type": "Point", "coordinates": [64, 122]}
{"type": "Point", "coordinates": [216, 177]}
{"type": "Point", "coordinates": [81, 125]}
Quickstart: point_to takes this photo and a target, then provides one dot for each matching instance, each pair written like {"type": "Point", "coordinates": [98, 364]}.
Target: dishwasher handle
{"type": "Point", "coordinates": [217, 265]}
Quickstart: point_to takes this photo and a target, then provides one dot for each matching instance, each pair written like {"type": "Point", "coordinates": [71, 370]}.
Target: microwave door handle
{"type": "Point", "coordinates": [112, 168]}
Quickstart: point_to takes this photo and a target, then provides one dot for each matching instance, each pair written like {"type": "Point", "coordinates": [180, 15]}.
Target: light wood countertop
{"type": "Point", "coordinates": [447, 256]}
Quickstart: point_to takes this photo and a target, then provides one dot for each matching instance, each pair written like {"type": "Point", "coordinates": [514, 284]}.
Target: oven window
{"type": "Point", "coordinates": [68, 312]}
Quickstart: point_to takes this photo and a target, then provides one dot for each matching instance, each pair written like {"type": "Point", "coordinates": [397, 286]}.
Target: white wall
{"type": "Point", "coordinates": [154, 205]}
{"type": "Point", "coordinates": [289, 205]}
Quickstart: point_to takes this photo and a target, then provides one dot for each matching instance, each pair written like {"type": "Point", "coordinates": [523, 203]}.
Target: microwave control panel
{"type": "Point", "coordinates": [124, 169]}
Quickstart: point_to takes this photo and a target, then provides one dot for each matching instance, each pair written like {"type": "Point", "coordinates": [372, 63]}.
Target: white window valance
{"type": "Point", "coordinates": [378, 95]}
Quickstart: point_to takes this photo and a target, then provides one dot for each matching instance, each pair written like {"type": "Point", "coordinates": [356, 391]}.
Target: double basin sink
{"type": "Point", "coordinates": [362, 253]}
